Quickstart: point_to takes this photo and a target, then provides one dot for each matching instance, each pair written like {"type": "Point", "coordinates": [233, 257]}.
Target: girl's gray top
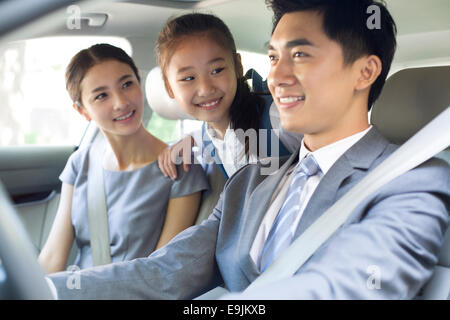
{"type": "Point", "coordinates": [136, 200]}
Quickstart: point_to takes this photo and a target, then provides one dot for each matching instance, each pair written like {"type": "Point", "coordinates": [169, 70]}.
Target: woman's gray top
{"type": "Point", "coordinates": [136, 200]}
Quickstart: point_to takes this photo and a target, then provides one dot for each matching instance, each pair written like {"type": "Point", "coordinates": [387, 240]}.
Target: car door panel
{"type": "Point", "coordinates": [31, 176]}
{"type": "Point", "coordinates": [32, 170]}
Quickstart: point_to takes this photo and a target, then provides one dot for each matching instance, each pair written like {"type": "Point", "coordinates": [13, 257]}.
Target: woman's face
{"type": "Point", "coordinates": [112, 96]}
{"type": "Point", "coordinates": [202, 77]}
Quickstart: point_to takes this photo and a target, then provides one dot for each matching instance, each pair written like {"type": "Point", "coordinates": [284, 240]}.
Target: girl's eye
{"type": "Point", "coordinates": [101, 96]}
{"type": "Point", "coordinates": [218, 70]}
{"type": "Point", "coordinates": [187, 79]}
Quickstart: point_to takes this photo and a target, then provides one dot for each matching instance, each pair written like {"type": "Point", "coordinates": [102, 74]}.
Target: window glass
{"type": "Point", "coordinates": [257, 61]}
{"type": "Point", "coordinates": [36, 108]}
{"type": "Point", "coordinates": [164, 129]}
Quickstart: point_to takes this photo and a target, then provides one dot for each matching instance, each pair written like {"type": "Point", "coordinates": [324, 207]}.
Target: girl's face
{"type": "Point", "coordinates": [111, 96]}
{"type": "Point", "coordinates": [202, 77]}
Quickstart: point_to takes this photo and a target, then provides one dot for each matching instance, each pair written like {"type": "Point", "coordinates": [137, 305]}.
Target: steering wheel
{"type": "Point", "coordinates": [21, 277]}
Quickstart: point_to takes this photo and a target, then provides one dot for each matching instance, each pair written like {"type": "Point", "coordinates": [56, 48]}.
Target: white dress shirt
{"type": "Point", "coordinates": [230, 150]}
{"type": "Point", "coordinates": [325, 157]}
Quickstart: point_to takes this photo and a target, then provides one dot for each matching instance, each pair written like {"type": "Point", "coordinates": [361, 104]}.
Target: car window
{"type": "Point", "coordinates": [257, 61]}
{"type": "Point", "coordinates": [36, 109]}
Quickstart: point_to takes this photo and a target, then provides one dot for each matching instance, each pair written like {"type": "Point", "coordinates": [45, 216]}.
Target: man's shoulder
{"type": "Point", "coordinates": [432, 176]}
{"type": "Point", "coordinates": [435, 172]}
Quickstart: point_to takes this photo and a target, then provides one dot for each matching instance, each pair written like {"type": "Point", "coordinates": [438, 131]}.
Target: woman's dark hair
{"type": "Point", "coordinates": [347, 23]}
{"type": "Point", "coordinates": [247, 107]}
{"type": "Point", "coordinates": [86, 59]}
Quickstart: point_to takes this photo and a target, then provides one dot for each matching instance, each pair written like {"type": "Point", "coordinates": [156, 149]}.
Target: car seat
{"type": "Point", "coordinates": [410, 99]}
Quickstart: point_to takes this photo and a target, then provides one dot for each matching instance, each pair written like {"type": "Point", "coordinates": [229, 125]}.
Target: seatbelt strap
{"type": "Point", "coordinates": [97, 211]}
{"type": "Point", "coordinates": [426, 143]}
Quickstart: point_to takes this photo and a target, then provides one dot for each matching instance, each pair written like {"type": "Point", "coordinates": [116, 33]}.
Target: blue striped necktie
{"type": "Point", "coordinates": [280, 235]}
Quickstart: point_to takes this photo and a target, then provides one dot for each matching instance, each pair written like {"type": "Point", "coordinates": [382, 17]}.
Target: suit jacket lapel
{"type": "Point", "coordinates": [359, 157]}
{"type": "Point", "coordinates": [255, 209]}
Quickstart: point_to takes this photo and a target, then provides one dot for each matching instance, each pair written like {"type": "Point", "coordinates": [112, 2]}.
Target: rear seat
{"type": "Point", "coordinates": [411, 98]}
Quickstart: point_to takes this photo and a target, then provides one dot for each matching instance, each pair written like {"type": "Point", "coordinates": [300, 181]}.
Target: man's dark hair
{"type": "Point", "coordinates": [346, 22]}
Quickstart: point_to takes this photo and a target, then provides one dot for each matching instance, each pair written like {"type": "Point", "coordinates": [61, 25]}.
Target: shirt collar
{"type": "Point", "coordinates": [328, 155]}
{"type": "Point", "coordinates": [213, 135]}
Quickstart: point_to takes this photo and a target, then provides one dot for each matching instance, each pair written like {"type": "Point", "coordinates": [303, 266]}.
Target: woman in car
{"type": "Point", "coordinates": [203, 72]}
{"type": "Point", "coordinates": [145, 210]}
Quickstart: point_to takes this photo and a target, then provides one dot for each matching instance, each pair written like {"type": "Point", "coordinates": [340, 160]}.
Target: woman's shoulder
{"type": "Point", "coordinates": [80, 155]}
{"type": "Point", "coordinates": [193, 180]}
{"type": "Point", "coordinates": [75, 164]}
{"type": "Point", "coordinates": [195, 172]}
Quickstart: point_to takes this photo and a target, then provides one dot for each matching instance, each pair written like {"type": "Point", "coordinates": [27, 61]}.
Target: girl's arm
{"type": "Point", "coordinates": [181, 214]}
{"type": "Point", "coordinates": [167, 158]}
{"type": "Point", "coordinates": [53, 257]}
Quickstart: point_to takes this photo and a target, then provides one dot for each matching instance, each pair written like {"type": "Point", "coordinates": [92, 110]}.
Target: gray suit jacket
{"type": "Point", "coordinates": [386, 249]}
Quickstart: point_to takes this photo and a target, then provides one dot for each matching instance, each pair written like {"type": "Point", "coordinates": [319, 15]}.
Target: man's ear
{"type": "Point", "coordinates": [81, 111]}
{"type": "Point", "coordinates": [238, 66]}
{"type": "Point", "coordinates": [370, 69]}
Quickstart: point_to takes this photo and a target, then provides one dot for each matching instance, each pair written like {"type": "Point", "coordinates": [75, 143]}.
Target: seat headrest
{"type": "Point", "coordinates": [159, 100]}
{"type": "Point", "coordinates": [410, 99]}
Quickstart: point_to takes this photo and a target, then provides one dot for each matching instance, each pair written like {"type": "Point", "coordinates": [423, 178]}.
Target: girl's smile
{"type": "Point", "coordinates": [210, 105]}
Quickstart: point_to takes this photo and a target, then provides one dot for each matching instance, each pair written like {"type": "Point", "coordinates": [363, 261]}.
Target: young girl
{"type": "Point", "coordinates": [203, 72]}
{"type": "Point", "coordinates": [145, 210]}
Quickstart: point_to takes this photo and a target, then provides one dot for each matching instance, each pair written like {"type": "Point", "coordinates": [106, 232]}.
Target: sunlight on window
{"type": "Point", "coordinates": [259, 62]}
{"type": "Point", "coordinates": [36, 107]}
{"type": "Point", "coordinates": [164, 129]}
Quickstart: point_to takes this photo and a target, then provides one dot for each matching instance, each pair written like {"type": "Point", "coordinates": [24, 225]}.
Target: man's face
{"type": "Point", "coordinates": [312, 88]}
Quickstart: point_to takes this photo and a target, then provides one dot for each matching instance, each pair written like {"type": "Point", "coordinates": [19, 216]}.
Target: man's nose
{"type": "Point", "coordinates": [281, 74]}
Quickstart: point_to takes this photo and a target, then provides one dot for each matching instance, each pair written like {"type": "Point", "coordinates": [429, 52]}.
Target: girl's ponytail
{"type": "Point", "coordinates": [246, 111]}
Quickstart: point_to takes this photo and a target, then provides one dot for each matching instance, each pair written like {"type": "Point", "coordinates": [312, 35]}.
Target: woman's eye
{"type": "Point", "coordinates": [127, 84]}
{"type": "Point", "coordinates": [187, 79]}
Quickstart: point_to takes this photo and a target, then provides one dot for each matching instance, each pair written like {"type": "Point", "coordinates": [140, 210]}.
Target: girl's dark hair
{"type": "Point", "coordinates": [247, 107]}
{"type": "Point", "coordinates": [346, 22]}
{"type": "Point", "coordinates": [86, 59]}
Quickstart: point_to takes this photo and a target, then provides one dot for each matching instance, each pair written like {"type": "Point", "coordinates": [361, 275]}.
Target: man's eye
{"type": "Point", "coordinates": [300, 54]}
{"type": "Point", "coordinates": [272, 58]}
